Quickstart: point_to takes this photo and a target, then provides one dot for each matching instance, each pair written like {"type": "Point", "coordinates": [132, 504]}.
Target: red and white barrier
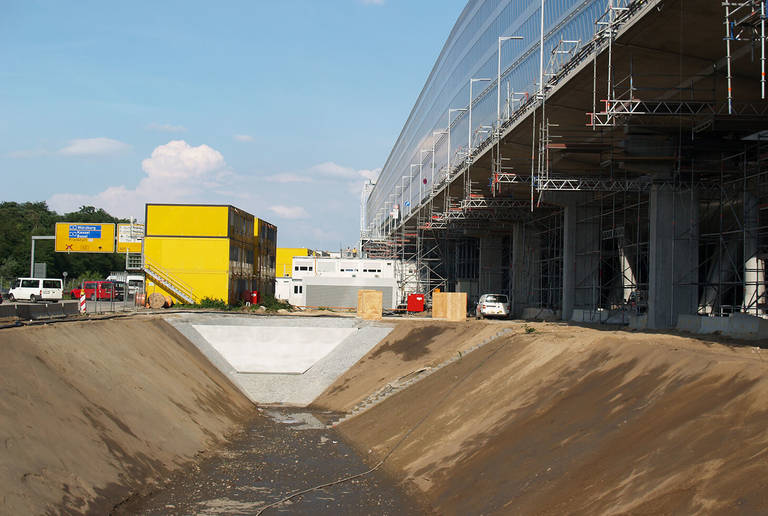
{"type": "Point", "coordinates": [82, 302]}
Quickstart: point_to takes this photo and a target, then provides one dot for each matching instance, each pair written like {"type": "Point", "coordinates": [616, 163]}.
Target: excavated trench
{"type": "Point", "coordinates": [220, 414]}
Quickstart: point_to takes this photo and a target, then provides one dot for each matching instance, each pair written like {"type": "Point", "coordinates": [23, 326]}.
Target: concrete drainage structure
{"type": "Point", "coordinates": [280, 360]}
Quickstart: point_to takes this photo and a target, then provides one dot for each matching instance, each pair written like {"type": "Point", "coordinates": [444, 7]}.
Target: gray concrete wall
{"type": "Point", "coordinates": [673, 256]}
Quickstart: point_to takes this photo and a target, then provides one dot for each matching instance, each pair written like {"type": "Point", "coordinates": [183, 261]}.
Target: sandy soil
{"type": "Point", "coordinates": [412, 345]}
{"type": "Point", "coordinates": [93, 411]}
{"type": "Point", "coordinates": [572, 420]}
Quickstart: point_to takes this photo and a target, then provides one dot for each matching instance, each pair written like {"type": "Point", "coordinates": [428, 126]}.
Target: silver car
{"type": "Point", "coordinates": [492, 305]}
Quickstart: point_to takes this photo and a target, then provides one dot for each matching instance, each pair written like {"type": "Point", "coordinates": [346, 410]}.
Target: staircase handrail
{"type": "Point", "coordinates": [163, 274]}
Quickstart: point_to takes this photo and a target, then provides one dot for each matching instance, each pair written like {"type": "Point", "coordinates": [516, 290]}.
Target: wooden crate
{"type": "Point", "coordinates": [369, 304]}
{"type": "Point", "coordinates": [451, 306]}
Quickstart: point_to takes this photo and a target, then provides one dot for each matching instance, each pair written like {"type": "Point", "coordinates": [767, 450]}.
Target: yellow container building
{"type": "Point", "coordinates": [193, 252]}
{"type": "Point", "coordinates": [265, 242]}
{"type": "Point", "coordinates": [285, 259]}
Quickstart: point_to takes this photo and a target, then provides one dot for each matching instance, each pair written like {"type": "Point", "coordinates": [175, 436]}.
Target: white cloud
{"type": "Point", "coordinates": [93, 147]}
{"type": "Point", "coordinates": [333, 170]}
{"type": "Point", "coordinates": [175, 172]}
{"type": "Point", "coordinates": [79, 147]}
{"type": "Point", "coordinates": [289, 212]}
{"type": "Point", "coordinates": [314, 207]}
{"type": "Point", "coordinates": [243, 137]}
{"type": "Point", "coordinates": [166, 128]}
{"type": "Point", "coordinates": [288, 178]}
{"type": "Point", "coordinates": [177, 159]}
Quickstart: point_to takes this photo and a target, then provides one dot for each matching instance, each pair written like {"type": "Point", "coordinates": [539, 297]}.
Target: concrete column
{"type": "Point", "coordinates": [673, 256]}
{"type": "Point", "coordinates": [522, 273]}
{"type": "Point", "coordinates": [754, 267]}
{"type": "Point", "coordinates": [581, 258]}
{"type": "Point", "coordinates": [490, 265]}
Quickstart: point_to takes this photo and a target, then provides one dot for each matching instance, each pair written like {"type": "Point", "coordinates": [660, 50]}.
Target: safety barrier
{"type": "Point", "coordinates": [7, 311]}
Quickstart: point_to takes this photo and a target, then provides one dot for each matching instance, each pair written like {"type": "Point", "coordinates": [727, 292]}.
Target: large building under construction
{"type": "Point", "coordinates": [594, 160]}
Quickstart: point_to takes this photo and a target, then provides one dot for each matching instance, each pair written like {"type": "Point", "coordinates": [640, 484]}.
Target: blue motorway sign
{"type": "Point", "coordinates": [85, 231]}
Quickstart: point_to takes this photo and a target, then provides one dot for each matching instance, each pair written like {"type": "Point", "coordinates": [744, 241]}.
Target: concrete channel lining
{"type": "Point", "coordinates": [272, 349]}
{"type": "Point", "coordinates": [295, 384]}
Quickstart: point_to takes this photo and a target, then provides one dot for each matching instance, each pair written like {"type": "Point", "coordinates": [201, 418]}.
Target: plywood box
{"type": "Point", "coordinates": [438, 305]}
{"type": "Point", "coordinates": [451, 306]}
{"type": "Point", "coordinates": [369, 304]}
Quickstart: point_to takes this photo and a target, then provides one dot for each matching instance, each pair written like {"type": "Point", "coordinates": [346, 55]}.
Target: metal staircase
{"type": "Point", "coordinates": [173, 285]}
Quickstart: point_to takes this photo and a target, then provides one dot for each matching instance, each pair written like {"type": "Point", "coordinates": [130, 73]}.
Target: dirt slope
{"type": "Point", "coordinates": [411, 346]}
{"type": "Point", "coordinates": [92, 411]}
{"type": "Point", "coordinates": [571, 420]}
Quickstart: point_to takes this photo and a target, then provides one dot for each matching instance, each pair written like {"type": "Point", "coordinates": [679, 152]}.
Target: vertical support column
{"type": "Point", "coordinates": [523, 271]}
{"type": "Point", "coordinates": [754, 268]}
{"type": "Point", "coordinates": [673, 256]}
{"type": "Point", "coordinates": [517, 294]}
{"type": "Point", "coordinates": [490, 265]}
{"type": "Point", "coordinates": [581, 257]}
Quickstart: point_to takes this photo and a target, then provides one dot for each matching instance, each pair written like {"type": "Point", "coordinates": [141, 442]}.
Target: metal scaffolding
{"type": "Point", "coordinates": [660, 136]}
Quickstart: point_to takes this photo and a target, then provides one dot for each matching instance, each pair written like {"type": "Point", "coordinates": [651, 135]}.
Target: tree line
{"type": "Point", "coordinates": [20, 221]}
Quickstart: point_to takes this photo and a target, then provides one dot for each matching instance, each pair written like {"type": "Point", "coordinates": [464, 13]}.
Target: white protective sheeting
{"type": "Point", "coordinates": [272, 349]}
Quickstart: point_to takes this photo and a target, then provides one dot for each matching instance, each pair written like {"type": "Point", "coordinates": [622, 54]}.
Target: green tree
{"type": "Point", "coordinates": [19, 221]}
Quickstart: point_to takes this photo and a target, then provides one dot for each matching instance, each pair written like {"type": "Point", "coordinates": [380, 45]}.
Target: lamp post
{"type": "Point", "coordinates": [421, 161]}
{"type": "Point", "coordinates": [434, 134]}
{"type": "Point", "coordinates": [410, 195]}
{"type": "Point", "coordinates": [469, 129]}
{"type": "Point", "coordinates": [541, 56]}
{"type": "Point", "coordinates": [498, 83]}
{"type": "Point", "coordinates": [402, 197]}
{"type": "Point", "coordinates": [450, 122]}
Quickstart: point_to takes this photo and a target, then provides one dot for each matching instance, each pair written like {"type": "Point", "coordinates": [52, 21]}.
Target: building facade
{"type": "Point", "coordinates": [437, 133]}
{"type": "Point", "coordinates": [333, 282]}
{"type": "Point", "coordinates": [596, 160]}
{"type": "Point", "coordinates": [192, 252]}
{"type": "Point", "coordinates": [265, 242]}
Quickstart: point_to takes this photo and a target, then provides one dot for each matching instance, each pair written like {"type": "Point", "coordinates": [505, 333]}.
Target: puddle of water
{"type": "Point", "coordinates": [297, 420]}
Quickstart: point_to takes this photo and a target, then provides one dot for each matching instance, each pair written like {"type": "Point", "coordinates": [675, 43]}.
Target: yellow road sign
{"type": "Point", "coordinates": [129, 238]}
{"type": "Point", "coordinates": [79, 237]}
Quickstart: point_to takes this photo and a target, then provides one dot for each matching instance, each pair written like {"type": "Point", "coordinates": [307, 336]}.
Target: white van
{"type": "Point", "coordinates": [36, 289]}
{"type": "Point", "coordinates": [135, 282]}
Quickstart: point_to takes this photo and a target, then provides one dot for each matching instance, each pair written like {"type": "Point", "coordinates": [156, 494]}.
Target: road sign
{"type": "Point", "coordinates": [75, 237]}
{"type": "Point", "coordinates": [129, 238]}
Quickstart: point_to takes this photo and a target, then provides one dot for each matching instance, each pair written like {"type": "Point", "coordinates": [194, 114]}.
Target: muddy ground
{"type": "Point", "coordinates": [271, 460]}
{"type": "Point", "coordinates": [572, 420]}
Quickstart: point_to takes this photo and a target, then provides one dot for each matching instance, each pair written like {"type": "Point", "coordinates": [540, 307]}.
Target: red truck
{"type": "Point", "coordinates": [102, 290]}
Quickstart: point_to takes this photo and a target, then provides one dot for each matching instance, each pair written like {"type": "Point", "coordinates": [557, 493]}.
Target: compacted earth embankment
{"type": "Point", "coordinates": [556, 419]}
{"type": "Point", "coordinates": [91, 412]}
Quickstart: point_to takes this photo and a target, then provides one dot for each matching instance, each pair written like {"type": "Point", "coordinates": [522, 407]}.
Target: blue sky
{"type": "Point", "coordinates": [281, 108]}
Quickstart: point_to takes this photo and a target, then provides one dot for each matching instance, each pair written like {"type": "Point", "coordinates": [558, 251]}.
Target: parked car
{"type": "Point", "coordinates": [135, 281]}
{"type": "Point", "coordinates": [98, 290]}
{"type": "Point", "coordinates": [36, 289]}
{"type": "Point", "coordinates": [492, 305]}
